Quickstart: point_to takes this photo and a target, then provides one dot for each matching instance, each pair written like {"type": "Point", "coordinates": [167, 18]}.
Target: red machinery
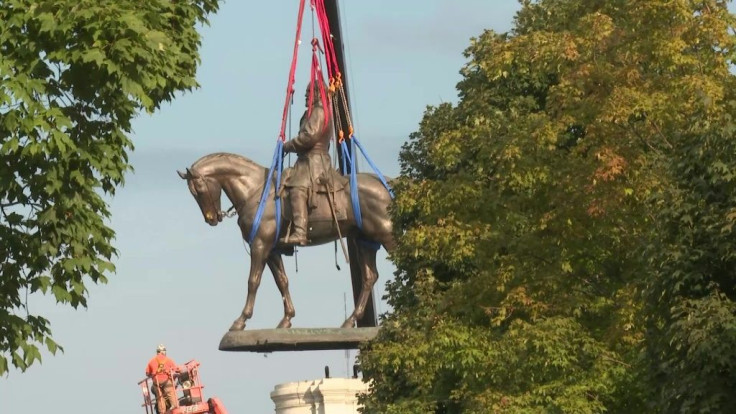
{"type": "Point", "coordinates": [188, 391]}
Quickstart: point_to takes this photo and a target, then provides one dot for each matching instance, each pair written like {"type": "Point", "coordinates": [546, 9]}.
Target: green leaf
{"type": "Point", "coordinates": [52, 346]}
{"type": "Point", "coordinates": [61, 294]}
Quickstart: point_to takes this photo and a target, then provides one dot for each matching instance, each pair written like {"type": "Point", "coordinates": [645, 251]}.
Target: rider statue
{"type": "Point", "coordinates": [313, 160]}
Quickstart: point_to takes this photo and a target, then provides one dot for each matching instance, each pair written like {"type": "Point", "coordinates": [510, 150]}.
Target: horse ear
{"type": "Point", "coordinates": [190, 174]}
{"type": "Point", "coordinates": [183, 176]}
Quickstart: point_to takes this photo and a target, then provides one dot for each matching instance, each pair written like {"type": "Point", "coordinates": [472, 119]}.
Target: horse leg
{"type": "Point", "coordinates": [367, 262]}
{"type": "Point", "coordinates": [276, 264]}
{"type": "Point", "coordinates": [257, 264]}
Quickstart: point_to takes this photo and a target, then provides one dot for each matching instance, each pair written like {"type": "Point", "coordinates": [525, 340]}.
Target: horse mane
{"type": "Point", "coordinates": [233, 158]}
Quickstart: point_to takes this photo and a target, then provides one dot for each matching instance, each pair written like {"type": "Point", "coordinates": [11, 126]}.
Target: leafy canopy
{"type": "Point", "coordinates": [73, 74]}
{"type": "Point", "coordinates": [543, 222]}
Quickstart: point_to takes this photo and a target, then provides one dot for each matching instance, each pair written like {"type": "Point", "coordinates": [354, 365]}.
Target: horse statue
{"type": "Point", "coordinates": [243, 182]}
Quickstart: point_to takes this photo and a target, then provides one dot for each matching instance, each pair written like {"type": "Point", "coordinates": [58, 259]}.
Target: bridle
{"type": "Point", "coordinates": [220, 214]}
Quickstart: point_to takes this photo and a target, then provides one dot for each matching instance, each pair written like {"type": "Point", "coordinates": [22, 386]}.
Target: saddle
{"type": "Point", "coordinates": [321, 196]}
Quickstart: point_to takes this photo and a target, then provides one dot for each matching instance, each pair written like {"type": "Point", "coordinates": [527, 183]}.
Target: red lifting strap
{"type": "Point", "coordinates": [290, 85]}
{"type": "Point", "coordinates": [324, 26]}
{"type": "Point", "coordinates": [316, 77]}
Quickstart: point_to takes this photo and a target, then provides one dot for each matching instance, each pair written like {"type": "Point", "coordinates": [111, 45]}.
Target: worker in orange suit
{"type": "Point", "coordinates": [161, 370]}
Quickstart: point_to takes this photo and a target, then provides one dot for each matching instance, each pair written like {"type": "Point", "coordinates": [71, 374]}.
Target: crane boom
{"type": "Point", "coordinates": [332, 9]}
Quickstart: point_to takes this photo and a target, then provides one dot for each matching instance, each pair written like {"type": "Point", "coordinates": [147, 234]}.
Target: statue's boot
{"type": "Point", "coordinates": [298, 235]}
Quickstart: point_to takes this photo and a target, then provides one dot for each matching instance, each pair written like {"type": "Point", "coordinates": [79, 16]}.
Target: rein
{"type": "Point", "coordinates": [230, 212]}
{"type": "Point", "coordinates": [263, 198]}
{"type": "Point", "coordinates": [220, 214]}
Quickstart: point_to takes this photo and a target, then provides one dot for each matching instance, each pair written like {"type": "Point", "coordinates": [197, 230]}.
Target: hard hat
{"type": "Point", "coordinates": [161, 348]}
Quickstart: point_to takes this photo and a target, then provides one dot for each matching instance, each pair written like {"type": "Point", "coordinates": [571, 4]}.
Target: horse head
{"type": "Point", "coordinates": [206, 190]}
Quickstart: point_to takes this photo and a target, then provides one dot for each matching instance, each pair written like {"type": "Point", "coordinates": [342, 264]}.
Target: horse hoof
{"type": "Point", "coordinates": [284, 324]}
{"type": "Point", "coordinates": [237, 326]}
{"type": "Point", "coordinates": [348, 324]}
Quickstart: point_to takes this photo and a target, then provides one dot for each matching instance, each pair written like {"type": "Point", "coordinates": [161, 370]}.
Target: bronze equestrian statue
{"type": "Point", "coordinates": [321, 198]}
{"type": "Point", "coordinates": [243, 180]}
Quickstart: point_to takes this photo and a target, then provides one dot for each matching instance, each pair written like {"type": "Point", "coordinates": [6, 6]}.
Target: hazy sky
{"type": "Point", "coordinates": [181, 282]}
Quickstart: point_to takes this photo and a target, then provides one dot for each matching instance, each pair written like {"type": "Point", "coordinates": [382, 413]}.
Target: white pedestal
{"type": "Point", "coordinates": [323, 396]}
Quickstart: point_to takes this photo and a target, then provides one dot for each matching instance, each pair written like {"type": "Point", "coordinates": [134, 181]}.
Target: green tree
{"type": "Point", "coordinates": [691, 340]}
{"type": "Point", "coordinates": [528, 215]}
{"type": "Point", "coordinates": [73, 74]}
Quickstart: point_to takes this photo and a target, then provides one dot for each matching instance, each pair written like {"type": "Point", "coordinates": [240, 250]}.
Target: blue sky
{"type": "Point", "coordinates": [182, 282]}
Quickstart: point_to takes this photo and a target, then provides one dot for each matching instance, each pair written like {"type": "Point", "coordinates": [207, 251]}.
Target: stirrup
{"type": "Point", "coordinates": [291, 240]}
